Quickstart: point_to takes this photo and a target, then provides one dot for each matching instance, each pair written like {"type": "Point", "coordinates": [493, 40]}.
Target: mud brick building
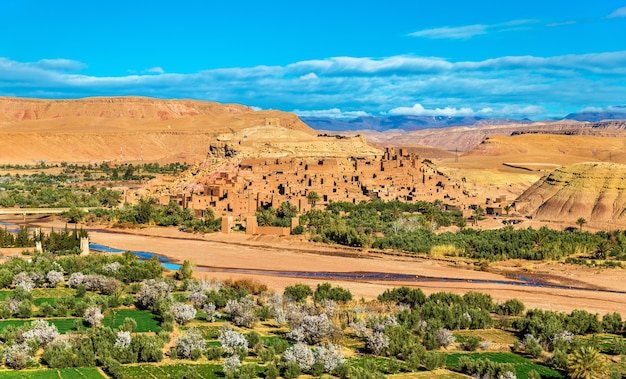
{"type": "Point", "coordinates": [239, 189]}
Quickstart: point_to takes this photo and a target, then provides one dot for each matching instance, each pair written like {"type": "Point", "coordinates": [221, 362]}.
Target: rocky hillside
{"type": "Point", "coordinates": [594, 191]}
{"type": "Point", "coordinates": [124, 128]}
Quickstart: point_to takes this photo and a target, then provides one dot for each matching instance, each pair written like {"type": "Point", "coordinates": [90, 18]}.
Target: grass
{"type": "Point", "coordinates": [493, 335]}
{"type": "Point", "coordinates": [522, 365]}
{"type": "Point", "coordinates": [145, 320]}
{"type": "Point", "coordinates": [438, 374]}
{"type": "Point", "coordinates": [64, 373]}
{"type": "Point", "coordinates": [170, 371]}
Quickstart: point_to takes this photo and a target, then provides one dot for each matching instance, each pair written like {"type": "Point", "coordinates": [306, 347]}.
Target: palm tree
{"type": "Point", "coordinates": [585, 363]}
{"type": "Point", "coordinates": [581, 221]}
{"type": "Point", "coordinates": [507, 209]}
{"type": "Point", "coordinates": [478, 214]}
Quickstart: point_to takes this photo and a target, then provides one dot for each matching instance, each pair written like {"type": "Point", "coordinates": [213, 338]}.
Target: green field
{"type": "Point", "coordinates": [64, 373]}
{"type": "Point", "coordinates": [145, 320]}
{"type": "Point", "coordinates": [114, 318]}
{"type": "Point", "coordinates": [170, 371]}
{"type": "Point", "coordinates": [522, 365]}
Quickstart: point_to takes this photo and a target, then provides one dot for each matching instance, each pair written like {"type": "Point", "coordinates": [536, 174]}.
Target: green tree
{"type": "Point", "coordinates": [478, 214]}
{"type": "Point", "coordinates": [313, 198]}
{"type": "Point", "coordinates": [585, 363]}
{"type": "Point", "coordinates": [298, 292]}
{"type": "Point", "coordinates": [185, 271]}
{"type": "Point", "coordinates": [580, 222]}
{"type": "Point", "coordinates": [74, 215]}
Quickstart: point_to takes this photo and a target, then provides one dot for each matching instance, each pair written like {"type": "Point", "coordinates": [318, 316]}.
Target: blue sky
{"type": "Point", "coordinates": [345, 58]}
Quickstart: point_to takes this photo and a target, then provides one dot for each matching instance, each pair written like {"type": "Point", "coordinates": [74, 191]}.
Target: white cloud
{"type": "Point", "coordinates": [349, 87]}
{"type": "Point", "coordinates": [460, 32]}
{"type": "Point", "coordinates": [67, 65]}
{"type": "Point", "coordinates": [505, 111]}
{"type": "Point", "coordinates": [620, 12]}
{"type": "Point", "coordinates": [610, 108]}
{"type": "Point", "coordinates": [156, 70]}
{"type": "Point", "coordinates": [469, 31]}
{"type": "Point", "coordinates": [331, 113]}
{"type": "Point", "coordinates": [419, 110]}
{"type": "Point", "coordinates": [309, 76]}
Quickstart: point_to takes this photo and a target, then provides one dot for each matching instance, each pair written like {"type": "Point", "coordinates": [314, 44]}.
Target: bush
{"type": "Point", "coordinates": [298, 292]}
{"type": "Point", "coordinates": [327, 291]}
{"type": "Point", "coordinates": [434, 360]}
{"type": "Point", "coordinates": [472, 343]}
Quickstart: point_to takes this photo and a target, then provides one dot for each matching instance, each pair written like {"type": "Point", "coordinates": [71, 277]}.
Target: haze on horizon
{"type": "Point", "coordinates": [534, 59]}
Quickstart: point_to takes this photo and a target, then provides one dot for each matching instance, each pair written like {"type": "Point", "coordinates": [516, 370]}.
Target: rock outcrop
{"type": "Point", "coordinates": [595, 191]}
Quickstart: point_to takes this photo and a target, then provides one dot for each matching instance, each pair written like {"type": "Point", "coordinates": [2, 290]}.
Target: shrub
{"type": "Point", "coordinates": [472, 343]}
{"type": "Point", "coordinates": [298, 292]}
{"type": "Point", "coordinates": [327, 291]}
{"type": "Point", "coordinates": [434, 360]}
{"type": "Point", "coordinates": [444, 337]}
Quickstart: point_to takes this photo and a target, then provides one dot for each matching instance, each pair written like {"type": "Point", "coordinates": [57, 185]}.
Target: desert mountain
{"type": "Point", "coordinates": [130, 129]}
{"type": "Point", "coordinates": [464, 138]}
{"type": "Point", "coordinates": [594, 191]}
{"type": "Point", "coordinates": [405, 123]}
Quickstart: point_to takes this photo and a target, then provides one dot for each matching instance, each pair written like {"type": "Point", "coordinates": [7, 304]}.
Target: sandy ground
{"type": "Point", "coordinates": [214, 252]}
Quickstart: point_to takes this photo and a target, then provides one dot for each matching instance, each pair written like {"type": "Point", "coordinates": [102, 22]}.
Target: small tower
{"type": "Point", "coordinates": [84, 246]}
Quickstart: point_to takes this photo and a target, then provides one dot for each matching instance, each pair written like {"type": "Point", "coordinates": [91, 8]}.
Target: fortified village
{"type": "Point", "coordinates": [234, 187]}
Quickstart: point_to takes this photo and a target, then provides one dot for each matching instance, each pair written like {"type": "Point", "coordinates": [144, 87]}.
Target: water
{"type": "Point", "coordinates": [142, 255]}
{"type": "Point", "coordinates": [10, 227]}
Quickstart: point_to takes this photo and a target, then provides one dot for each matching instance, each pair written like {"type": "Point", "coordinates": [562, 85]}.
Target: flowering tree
{"type": "Point", "coordinates": [231, 365]}
{"type": "Point", "coordinates": [183, 313]}
{"type": "Point", "coordinates": [241, 312]}
{"type": "Point", "coordinates": [232, 340]}
{"type": "Point", "coordinates": [444, 337]}
{"type": "Point", "coordinates": [377, 341]}
{"type": "Point", "coordinates": [23, 281]}
{"type": "Point", "coordinates": [153, 291]}
{"type": "Point", "coordinates": [211, 313]}
{"type": "Point", "coordinates": [42, 332]}
{"type": "Point", "coordinates": [16, 356]}
{"type": "Point", "coordinates": [123, 339]}
{"type": "Point", "coordinates": [54, 277]}
{"type": "Point", "coordinates": [113, 266]}
{"type": "Point", "coordinates": [300, 354]}
{"type": "Point", "coordinates": [313, 329]}
{"type": "Point", "coordinates": [188, 342]}
{"type": "Point", "coordinates": [93, 315]}
{"type": "Point", "coordinates": [329, 355]}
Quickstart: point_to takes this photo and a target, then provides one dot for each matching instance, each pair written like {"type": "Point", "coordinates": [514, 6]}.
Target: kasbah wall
{"type": "Point", "coordinates": [397, 174]}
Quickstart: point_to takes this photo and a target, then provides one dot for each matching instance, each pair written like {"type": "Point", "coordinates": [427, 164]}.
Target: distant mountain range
{"type": "Point", "coordinates": [413, 123]}
{"type": "Point", "coordinates": [619, 113]}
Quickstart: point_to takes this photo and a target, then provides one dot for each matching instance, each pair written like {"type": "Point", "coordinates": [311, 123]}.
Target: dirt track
{"type": "Point", "coordinates": [287, 254]}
